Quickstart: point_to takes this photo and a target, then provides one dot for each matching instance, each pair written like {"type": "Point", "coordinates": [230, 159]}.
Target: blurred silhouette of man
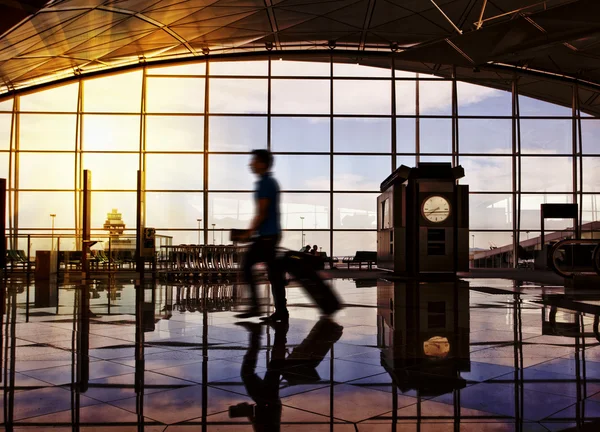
{"type": "Point", "coordinates": [265, 234]}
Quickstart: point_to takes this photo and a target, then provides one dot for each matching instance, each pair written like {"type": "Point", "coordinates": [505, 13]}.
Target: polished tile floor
{"type": "Point", "coordinates": [478, 355]}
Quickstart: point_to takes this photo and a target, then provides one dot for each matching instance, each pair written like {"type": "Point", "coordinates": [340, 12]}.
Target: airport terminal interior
{"type": "Point", "coordinates": [439, 159]}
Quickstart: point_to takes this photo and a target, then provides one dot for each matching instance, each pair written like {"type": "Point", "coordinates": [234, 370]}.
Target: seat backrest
{"type": "Point", "coordinates": [365, 256]}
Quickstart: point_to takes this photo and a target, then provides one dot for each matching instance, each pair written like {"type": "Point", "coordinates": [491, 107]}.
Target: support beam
{"type": "Point", "coordinates": [447, 18]}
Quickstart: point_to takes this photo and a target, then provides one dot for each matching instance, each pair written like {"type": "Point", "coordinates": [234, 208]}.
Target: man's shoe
{"type": "Point", "coordinates": [250, 313]}
{"type": "Point", "coordinates": [276, 317]}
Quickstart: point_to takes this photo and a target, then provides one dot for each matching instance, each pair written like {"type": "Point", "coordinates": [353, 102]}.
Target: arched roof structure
{"type": "Point", "coordinates": [546, 43]}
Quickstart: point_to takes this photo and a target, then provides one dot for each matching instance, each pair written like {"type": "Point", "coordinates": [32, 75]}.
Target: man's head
{"type": "Point", "coordinates": [261, 162]}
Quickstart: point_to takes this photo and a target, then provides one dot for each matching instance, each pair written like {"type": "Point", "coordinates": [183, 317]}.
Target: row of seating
{"type": "Point", "coordinates": [16, 258]}
{"type": "Point", "coordinates": [362, 257]}
{"type": "Point", "coordinates": [200, 259]}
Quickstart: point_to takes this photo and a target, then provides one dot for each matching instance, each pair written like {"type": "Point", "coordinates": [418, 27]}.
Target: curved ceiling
{"type": "Point", "coordinates": [480, 40]}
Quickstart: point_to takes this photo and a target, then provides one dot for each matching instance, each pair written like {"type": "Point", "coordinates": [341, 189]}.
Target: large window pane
{"type": "Point", "coordinates": [178, 172]}
{"type": "Point", "coordinates": [369, 135]}
{"type": "Point", "coordinates": [546, 136]}
{"type": "Point", "coordinates": [111, 133]}
{"type": "Point", "coordinates": [435, 135]}
{"type": "Point", "coordinates": [173, 209]}
{"type": "Point", "coordinates": [300, 96]}
{"type": "Point", "coordinates": [406, 97]}
{"type": "Point", "coordinates": [487, 240]}
{"type": "Point", "coordinates": [5, 122]}
{"type": "Point", "coordinates": [230, 172]}
{"type": "Point", "coordinates": [546, 174]}
{"type": "Point", "coordinates": [104, 203]}
{"type": "Point", "coordinates": [302, 172]}
{"type": "Point", "coordinates": [590, 136]}
{"type": "Point", "coordinates": [174, 133]}
{"type": "Point", "coordinates": [347, 243]}
{"type": "Point", "coordinates": [47, 132]}
{"type": "Point", "coordinates": [406, 135]}
{"type": "Point", "coordinates": [362, 97]}
{"type": "Point", "coordinates": [244, 67]}
{"type": "Point", "coordinates": [112, 171]}
{"type": "Point", "coordinates": [35, 209]}
{"type": "Point", "coordinates": [436, 159]}
{"type": "Point", "coordinates": [485, 136]}
{"type": "Point", "coordinates": [115, 93]}
{"type": "Point", "coordinates": [530, 211]}
{"type": "Point", "coordinates": [409, 161]}
{"type": "Point", "coordinates": [6, 105]}
{"type": "Point", "coordinates": [168, 237]}
{"type": "Point", "coordinates": [299, 68]}
{"type": "Point", "coordinates": [534, 107]}
{"type": "Point", "coordinates": [46, 170]}
{"type": "Point", "coordinates": [435, 97]}
{"type": "Point", "coordinates": [300, 134]}
{"type": "Point", "coordinates": [487, 173]}
{"type": "Point", "coordinates": [238, 96]}
{"type": "Point", "coordinates": [477, 100]}
{"type": "Point", "coordinates": [239, 134]}
{"type": "Point", "coordinates": [301, 210]}
{"type": "Point", "coordinates": [195, 68]}
{"type": "Point", "coordinates": [591, 174]}
{"type": "Point", "coordinates": [356, 70]}
{"type": "Point", "coordinates": [489, 211]}
{"type": "Point", "coordinates": [591, 208]}
{"type": "Point", "coordinates": [365, 173]}
{"type": "Point", "coordinates": [175, 95]}
{"type": "Point", "coordinates": [355, 211]}
{"type": "Point", "coordinates": [57, 99]}
{"type": "Point", "coordinates": [230, 210]}
{"type": "Point", "coordinates": [293, 240]}
{"type": "Point", "coordinates": [4, 156]}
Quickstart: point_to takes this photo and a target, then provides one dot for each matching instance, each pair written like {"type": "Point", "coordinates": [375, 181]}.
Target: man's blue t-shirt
{"type": "Point", "coordinates": [268, 188]}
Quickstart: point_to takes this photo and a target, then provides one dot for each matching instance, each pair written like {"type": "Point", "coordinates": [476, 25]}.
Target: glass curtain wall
{"type": "Point", "coordinates": [336, 129]}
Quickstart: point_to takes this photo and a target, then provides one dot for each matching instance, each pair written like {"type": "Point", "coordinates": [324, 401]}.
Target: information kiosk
{"type": "Point", "coordinates": [423, 221]}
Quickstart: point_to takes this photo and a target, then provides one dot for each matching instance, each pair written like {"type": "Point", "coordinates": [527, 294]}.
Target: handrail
{"type": "Point", "coordinates": [552, 255]}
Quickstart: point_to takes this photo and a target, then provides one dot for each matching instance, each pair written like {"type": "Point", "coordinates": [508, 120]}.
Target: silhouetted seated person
{"type": "Point", "coordinates": [315, 250]}
{"type": "Point", "coordinates": [305, 249]}
{"type": "Point", "coordinates": [298, 368]}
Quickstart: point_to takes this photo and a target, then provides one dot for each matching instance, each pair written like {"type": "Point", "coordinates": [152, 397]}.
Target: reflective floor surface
{"type": "Point", "coordinates": [479, 355]}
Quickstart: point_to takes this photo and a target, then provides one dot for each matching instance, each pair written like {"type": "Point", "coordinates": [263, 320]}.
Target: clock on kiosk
{"type": "Point", "coordinates": [436, 209]}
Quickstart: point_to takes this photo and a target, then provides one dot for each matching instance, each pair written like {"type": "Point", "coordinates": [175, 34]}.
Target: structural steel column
{"type": "Point", "coordinates": [206, 135]}
{"type": "Point", "coordinates": [11, 152]}
{"type": "Point", "coordinates": [515, 208]}
{"type": "Point", "coordinates": [394, 131]}
{"type": "Point", "coordinates": [331, 153]}
{"type": "Point", "coordinates": [78, 204]}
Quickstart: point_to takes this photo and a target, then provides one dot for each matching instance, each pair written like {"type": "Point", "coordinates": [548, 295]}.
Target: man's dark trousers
{"type": "Point", "coordinates": [264, 249]}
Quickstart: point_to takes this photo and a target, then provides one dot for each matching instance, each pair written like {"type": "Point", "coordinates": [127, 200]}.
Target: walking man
{"type": "Point", "coordinates": [265, 234]}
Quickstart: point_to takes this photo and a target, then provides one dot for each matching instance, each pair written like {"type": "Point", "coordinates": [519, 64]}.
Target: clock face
{"type": "Point", "coordinates": [436, 209]}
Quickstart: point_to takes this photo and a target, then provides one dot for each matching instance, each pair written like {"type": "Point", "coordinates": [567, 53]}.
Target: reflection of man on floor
{"type": "Point", "coordinates": [266, 414]}
{"type": "Point", "coordinates": [298, 368]}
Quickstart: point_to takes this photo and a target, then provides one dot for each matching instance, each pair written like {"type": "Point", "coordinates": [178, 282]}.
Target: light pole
{"type": "Point", "coordinates": [221, 235]}
{"type": "Point", "coordinates": [214, 232]}
{"type": "Point", "coordinates": [302, 237]}
{"type": "Point", "coordinates": [52, 215]}
{"type": "Point", "coordinates": [473, 237]}
{"type": "Point", "coordinates": [199, 229]}
{"type": "Point", "coordinates": [527, 232]}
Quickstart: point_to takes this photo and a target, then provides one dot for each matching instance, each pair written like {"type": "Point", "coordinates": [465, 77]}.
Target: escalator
{"type": "Point", "coordinates": [568, 257]}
